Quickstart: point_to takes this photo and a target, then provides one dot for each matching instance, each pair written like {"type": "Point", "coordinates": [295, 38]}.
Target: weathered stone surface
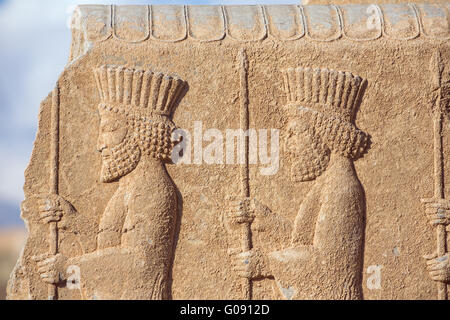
{"type": "Point", "coordinates": [313, 2]}
{"type": "Point", "coordinates": [355, 97]}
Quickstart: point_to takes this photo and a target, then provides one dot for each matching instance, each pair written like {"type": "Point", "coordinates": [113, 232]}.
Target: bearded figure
{"type": "Point", "coordinates": [320, 254]}
{"type": "Point", "coordinates": [135, 236]}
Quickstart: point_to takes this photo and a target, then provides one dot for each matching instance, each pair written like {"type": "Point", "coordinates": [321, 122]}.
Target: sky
{"type": "Point", "coordinates": [34, 48]}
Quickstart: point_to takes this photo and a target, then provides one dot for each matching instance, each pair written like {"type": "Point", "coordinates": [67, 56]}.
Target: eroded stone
{"type": "Point", "coordinates": [346, 108]}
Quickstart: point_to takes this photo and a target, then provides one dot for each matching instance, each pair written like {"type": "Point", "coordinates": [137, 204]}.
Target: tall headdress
{"type": "Point", "coordinates": [147, 99]}
{"type": "Point", "coordinates": [330, 100]}
{"type": "Point", "coordinates": [146, 93]}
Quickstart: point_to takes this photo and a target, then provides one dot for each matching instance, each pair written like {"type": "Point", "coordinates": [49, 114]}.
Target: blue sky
{"type": "Point", "coordinates": [34, 47]}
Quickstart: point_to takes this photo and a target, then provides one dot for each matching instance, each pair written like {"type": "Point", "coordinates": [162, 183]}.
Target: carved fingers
{"type": "Point", "coordinates": [438, 267]}
{"type": "Point", "coordinates": [248, 264]}
{"type": "Point", "coordinates": [240, 262]}
{"type": "Point", "coordinates": [241, 211]}
{"type": "Point", "coordinates": [437, 211]}
{"type": "Point", "coordinates": [49, 208]}
{"type": "Point", "coordinates": [50, 216]}
{"type": "Point", "coordinates": [50, 267]}
{"type": "Point", "coordinates": [52, 207]}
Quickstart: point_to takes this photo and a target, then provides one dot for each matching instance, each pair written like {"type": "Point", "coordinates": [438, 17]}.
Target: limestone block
{"type": "Point", "coordinates": [243, 152]}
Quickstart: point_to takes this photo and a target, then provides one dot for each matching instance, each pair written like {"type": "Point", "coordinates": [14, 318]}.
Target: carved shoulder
{"type": "Point", "coordinates": [343, 191]}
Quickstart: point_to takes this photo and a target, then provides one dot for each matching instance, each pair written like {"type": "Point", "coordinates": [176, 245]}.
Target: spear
{"type": "Point", "coordinates": [245, 186]}
{"type": "Point", "coordinates": [54, 180]}
{"type": "Point", "coordinates": [437, 68]}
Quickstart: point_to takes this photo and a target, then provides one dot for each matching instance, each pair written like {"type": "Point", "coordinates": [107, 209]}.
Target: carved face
{"type": "Point", "coordinates": [308, 156]}
{"type": "Point", "coordinates": [119, 150]}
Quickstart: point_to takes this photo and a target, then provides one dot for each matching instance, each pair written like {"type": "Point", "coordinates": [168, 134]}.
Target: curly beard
{"type": "Point", "coordinates": [124, 159]}
{"type": "Point", "coordinates": [309, 163]}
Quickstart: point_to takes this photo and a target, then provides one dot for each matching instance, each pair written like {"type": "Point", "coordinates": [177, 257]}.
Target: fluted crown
{"type": "Point", "coordinates": [327, 91]}
{"type": "Point", "coordinates": [144, 92]}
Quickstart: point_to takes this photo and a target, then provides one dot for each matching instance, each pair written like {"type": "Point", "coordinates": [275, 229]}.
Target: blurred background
{"type": "Point", "coordinates": [34, 47]}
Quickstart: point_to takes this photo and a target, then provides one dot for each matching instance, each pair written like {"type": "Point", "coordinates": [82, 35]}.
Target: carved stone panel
{"type": "Point", "coordinates": [243, 152]}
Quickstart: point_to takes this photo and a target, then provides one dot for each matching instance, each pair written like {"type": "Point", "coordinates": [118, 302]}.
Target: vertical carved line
{"type": "Point", "coordinates": [290, 74]}
{"type": "Point", "coordinates": [438, 157]}
{"type": "Point", "coordinates": [339, 90]}
{"type": "Point", "coordinates": [307, 84]}
{"type": "Point", "coordinates": [146, 86]}
{"type": "Point", "coordinates": [265, 21]}
{"type": "Point", "coordinates": [316, 85]}
{"type": "Point", "coordinates": [353, 96]}
{"type": "Point", "coordinates": [54, 152]}
{"type": "Point", "coordinates": [244, 118]}
{"type": "Point", "coordinates": [103, 76]}
{"type": "Point", "coordinates": [300, 86]}
{"type": "Point", "coordinates": [99, 84]}
{"type": "Point", "coordinates": [119, 84]}
{"type": "Point", "coordinates": [332, 86]}
{"type": "Point", "coordinates": [441, 234]}
{"type": "Point", "coordinates": [137, 87]}
{"type": "Point", "coordinates": [347, 87]}
{"type": "Point", "coordinates": [175, 90]}
{"type": "Point", "coordinates": [128, 86]}
{"type": "Point", "coordinates": [111, 84]}
{"type": "Point", "coordinates": [245, 191]}
{"type": "Point", "coordinates": [324, 86]}
{"type": "Point", "coordinates": [54, 180]}
{"type": "Point", "coordinates": [164, 94]}
{"type": "Point", "coordinates": [285, 84]}
{"type": "Point", "coordinates": [154, 93]}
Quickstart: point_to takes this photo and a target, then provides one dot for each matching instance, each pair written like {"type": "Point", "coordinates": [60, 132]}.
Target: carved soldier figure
{"type": "Point", "coordinates": [438, 213]}
{"type": "Point", "coordinates": [320, 255]}
{"type": "Point", "coordinates": [134, 238]}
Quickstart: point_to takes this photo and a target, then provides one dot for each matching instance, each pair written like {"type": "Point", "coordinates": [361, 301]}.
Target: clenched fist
{"type": "Point", "coordinates": [438, 267]}
{"type": "Point", "coordinates": [51, 267]}
{"type": "Point", "coordinates": [53, 207]}
{"type": "Point", "coordinates": [240, 212]}
{"type": "Point", "coordinates": [437, 211]}
{"type": "Point", "coordinates": [249, 264]}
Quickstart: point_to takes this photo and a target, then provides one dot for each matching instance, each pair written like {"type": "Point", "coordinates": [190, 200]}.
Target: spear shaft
{"type": "Point", "coordinates": [54, 180]}
{"type": "Point", "coordinates": [441, 234]}
{"type": "Point", "coordinates": [245, 186]}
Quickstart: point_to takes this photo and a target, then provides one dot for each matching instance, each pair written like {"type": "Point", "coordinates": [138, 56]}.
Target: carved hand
{"type": "Point", "coordinates": [437, 211]}
{"type": "Point", "coordinates": [241, 211]}
{"type": "Point", "coordinates": [51, 267]}
{"type": "Point", "coordinates": [438, 267]}
{"type": "Point", "coordinates": [250, 264]}
{"type": "Point", "coordinates": [53, 207]}
{"type": "Point", "coordinates": [264, 218]}
{"type": "Point", "coordinates": [249, 210]}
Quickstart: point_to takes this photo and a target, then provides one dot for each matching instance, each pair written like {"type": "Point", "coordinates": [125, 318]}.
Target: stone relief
{"type": "Point", "coordinates": [324, 258]}
{"type": "Point", "coordinates": [135, 238]}
{"type": "Point", "coordinates": [437, 208]}
{"type": "Point", "coordinates": [128, 222]}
